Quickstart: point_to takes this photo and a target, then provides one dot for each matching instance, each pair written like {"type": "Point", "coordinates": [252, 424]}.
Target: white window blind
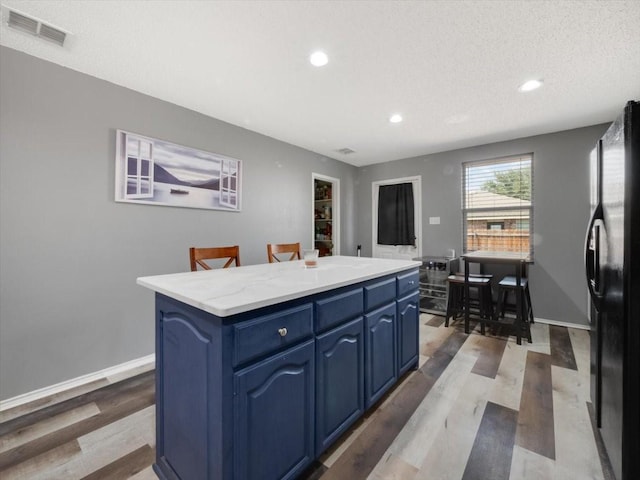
{"type": "Point", "coordinates": [497, 205]}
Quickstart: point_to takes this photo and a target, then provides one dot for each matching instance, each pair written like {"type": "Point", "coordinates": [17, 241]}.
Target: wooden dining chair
{"type": "Point", "coordinates": [280, 248]}
{"type": "Point", "coordinates": [197, 256]}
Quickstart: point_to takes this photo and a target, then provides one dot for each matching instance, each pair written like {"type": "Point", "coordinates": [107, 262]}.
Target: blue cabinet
{"type": "Point", "coordinates": [337, 308]}
{"type": "Point", "coordinates": [408, 283]}
{"type": "Point", "coordinates": [380, 352]}
{"type": "Point", "coordinates": [261, 394]}
{"type": "Point", "coordinates": [274, 416]}
{"type": "Point", "coordinates": [379, 293]}
{"type": "Point", "coordinates": [267, 333]}
{"type": "Point", "coordinates": [339, 381]}
{"type": "Point", "coordinates": [408, 318]}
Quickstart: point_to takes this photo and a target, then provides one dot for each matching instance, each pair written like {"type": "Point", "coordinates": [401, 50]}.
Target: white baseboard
{"type": "Point", "coordinates": [558, 323]}
{"type": "Point", "coordinates": [75, 382]}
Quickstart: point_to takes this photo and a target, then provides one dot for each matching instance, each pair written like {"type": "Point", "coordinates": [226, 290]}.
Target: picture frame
{"type": "Point", "coordinates": [157, 172]}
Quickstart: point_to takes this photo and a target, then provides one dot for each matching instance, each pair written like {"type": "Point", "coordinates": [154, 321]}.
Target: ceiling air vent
{"type": "Point", "coordinates": [35, 27]}
{"type": "Point", "coordinates": [345, 151]}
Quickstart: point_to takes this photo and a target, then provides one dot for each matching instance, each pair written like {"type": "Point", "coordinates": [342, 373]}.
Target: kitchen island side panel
{"type": "Point", "coordinates": [193, 389]}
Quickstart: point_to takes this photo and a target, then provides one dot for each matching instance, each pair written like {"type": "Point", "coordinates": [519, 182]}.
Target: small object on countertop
{"type": "Point", "coordinates": [310, 258]}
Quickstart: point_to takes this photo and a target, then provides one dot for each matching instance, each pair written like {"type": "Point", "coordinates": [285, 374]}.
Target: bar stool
{"type": "Point", "coordinates": [277, 248]}
{"type": "Point", "coordinates": [509, 285]}
{"type": "Point", "coordinates": [483, 302]}
{"type": "Point", "coordinates": [197, 256]}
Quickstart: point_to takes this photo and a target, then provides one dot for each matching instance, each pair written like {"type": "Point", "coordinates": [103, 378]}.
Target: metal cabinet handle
{"type": "Point", "coordinates": [282, 331]}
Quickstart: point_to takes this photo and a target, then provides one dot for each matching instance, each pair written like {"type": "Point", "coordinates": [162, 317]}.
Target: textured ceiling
{"type": "Point", "coordinates": [451, 68]}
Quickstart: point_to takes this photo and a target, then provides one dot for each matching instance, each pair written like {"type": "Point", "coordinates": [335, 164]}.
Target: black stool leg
{"type": "Point", "coordinates": [530, 306]}
{"type": "Point", "coordinates": [525, 317]}
{"type": "Point", "coordinates": [490, 313]}
{"type": "Point", "coordinates": [461, 300]}
{"type": "Point", "coordinates": [502, 298]}
{"type": "Point", "coordinates": [482, 299]}
{"type": "Point", "coordinates": [449, 306]}
{"type": "Point", "coordinates": [486, 309]}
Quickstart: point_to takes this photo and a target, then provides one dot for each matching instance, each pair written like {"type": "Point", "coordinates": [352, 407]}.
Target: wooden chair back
{"type": "Point", "coordinates": [280, 248]}
{"type": "Point", "coordinates": [197, 256]}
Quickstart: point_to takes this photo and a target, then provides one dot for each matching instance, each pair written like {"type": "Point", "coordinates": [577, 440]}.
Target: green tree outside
{"type": "Point", "coordinates": [512, 183]}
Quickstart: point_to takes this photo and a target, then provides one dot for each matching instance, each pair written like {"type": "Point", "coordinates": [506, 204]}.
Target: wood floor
{"type": "Point", "coordinates": [478, 407]}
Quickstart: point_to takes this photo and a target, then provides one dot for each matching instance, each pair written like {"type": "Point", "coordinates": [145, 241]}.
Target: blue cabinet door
{"type": "Point", "coordinates": [274, 415]}
{"type": "Point", "coordinates": [339, 381]}
{"type": "Point", "coordinates": [380, 352]}
{"type": "Point", "coordinates": [408, 318]}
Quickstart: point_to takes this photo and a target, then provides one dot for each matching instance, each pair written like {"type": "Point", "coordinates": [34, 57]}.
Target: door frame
{"type": "Point", "coordinates": [335, 210]}
{"type": "Point", "coordinates": [417, 204]}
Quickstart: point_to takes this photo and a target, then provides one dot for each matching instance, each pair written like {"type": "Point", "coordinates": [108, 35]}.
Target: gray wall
{"type": "Point", "coordinates": [561, 210]}
{"type": "Point", "coordinates": [70, 255]}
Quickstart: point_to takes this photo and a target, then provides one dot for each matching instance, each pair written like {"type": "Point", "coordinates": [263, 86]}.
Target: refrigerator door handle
{"type": "Point", "coordinates": [592, 256]}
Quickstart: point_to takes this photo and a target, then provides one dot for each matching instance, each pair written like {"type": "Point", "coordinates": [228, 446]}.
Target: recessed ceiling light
{"type": "Point", "coordinates": [318, 59]}
{"type": "Point", "coordinates": [395, 118]}
{"type": "Point", "coordinates": [530, 85]}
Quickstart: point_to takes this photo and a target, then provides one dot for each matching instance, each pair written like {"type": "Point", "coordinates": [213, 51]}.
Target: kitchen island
{"type": "Point", "coordinates": [260, 368]}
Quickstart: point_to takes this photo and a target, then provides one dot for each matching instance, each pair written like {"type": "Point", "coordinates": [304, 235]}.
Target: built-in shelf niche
{"type": "Point", "coordinates": [325, 215]}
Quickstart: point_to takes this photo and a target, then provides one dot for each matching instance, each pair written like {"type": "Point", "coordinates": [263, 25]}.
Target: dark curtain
{"type": "Point", "coordinates": [395, 215]}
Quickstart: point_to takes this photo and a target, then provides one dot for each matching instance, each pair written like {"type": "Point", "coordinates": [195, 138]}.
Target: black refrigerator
{"type": "Point", "coordinates": [612, 258]}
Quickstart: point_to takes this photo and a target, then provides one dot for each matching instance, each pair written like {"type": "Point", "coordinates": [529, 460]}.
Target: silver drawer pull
{"type": "Point", "coordinates": [411, 282]}
{"type": "Point", "coordinates": [282, 331]}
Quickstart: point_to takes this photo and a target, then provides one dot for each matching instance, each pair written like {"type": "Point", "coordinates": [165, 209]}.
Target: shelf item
{"type": "Point", "coordinates": [433, 283]}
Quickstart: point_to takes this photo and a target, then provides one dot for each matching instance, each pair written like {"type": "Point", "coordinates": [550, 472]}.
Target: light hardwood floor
{"type": "Point", "coordinates": [478, 407]}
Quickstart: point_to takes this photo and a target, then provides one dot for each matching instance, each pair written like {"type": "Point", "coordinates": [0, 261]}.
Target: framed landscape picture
{"type": "Point", "coordinates": [155, 172]}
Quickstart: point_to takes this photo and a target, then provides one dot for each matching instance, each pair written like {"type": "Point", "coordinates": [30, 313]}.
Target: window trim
{"type": "Point", "coordinates": [467, 211]}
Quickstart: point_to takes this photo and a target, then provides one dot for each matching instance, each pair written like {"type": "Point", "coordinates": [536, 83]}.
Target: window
{"type": "Point", "coordinates": [497, 205]}
{"type": "Point", "coordinates": [139, 170]}
{"type": "Point", "coordinates": [495, 225]}
{"type": "Point", "coordinates": [229, 183]}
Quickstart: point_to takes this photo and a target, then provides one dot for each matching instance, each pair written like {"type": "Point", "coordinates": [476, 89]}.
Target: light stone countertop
{"type": "Point", "coordinates": [230, 291]}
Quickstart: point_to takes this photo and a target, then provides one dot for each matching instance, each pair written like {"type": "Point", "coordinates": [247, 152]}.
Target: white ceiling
{"type": "Point", "coordinates": [451, 68]}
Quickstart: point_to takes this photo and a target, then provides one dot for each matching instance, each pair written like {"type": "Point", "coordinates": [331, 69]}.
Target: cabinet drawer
{"type": "Point", "coordinates": [338, 309]}
{"type": "Point", "coordinates": [408, 282]}
{"type": "Point", "coordinates": [379, 293]}
{"type": "Point", "coordinates": [262, 335]}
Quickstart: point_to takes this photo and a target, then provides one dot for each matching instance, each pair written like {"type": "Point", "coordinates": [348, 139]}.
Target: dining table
{"type": "Point", "coordinates": [520, 262]}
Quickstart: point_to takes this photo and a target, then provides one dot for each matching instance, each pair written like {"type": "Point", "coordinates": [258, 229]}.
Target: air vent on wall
{"type": "Point", "coordinates": [345, 151]}
{"type": "Point", "coordinates": [23, 23]}
{"type": "Point", "coordinates": [34, 26]}
{"type": "Point", "coordinates": [53, 34]}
